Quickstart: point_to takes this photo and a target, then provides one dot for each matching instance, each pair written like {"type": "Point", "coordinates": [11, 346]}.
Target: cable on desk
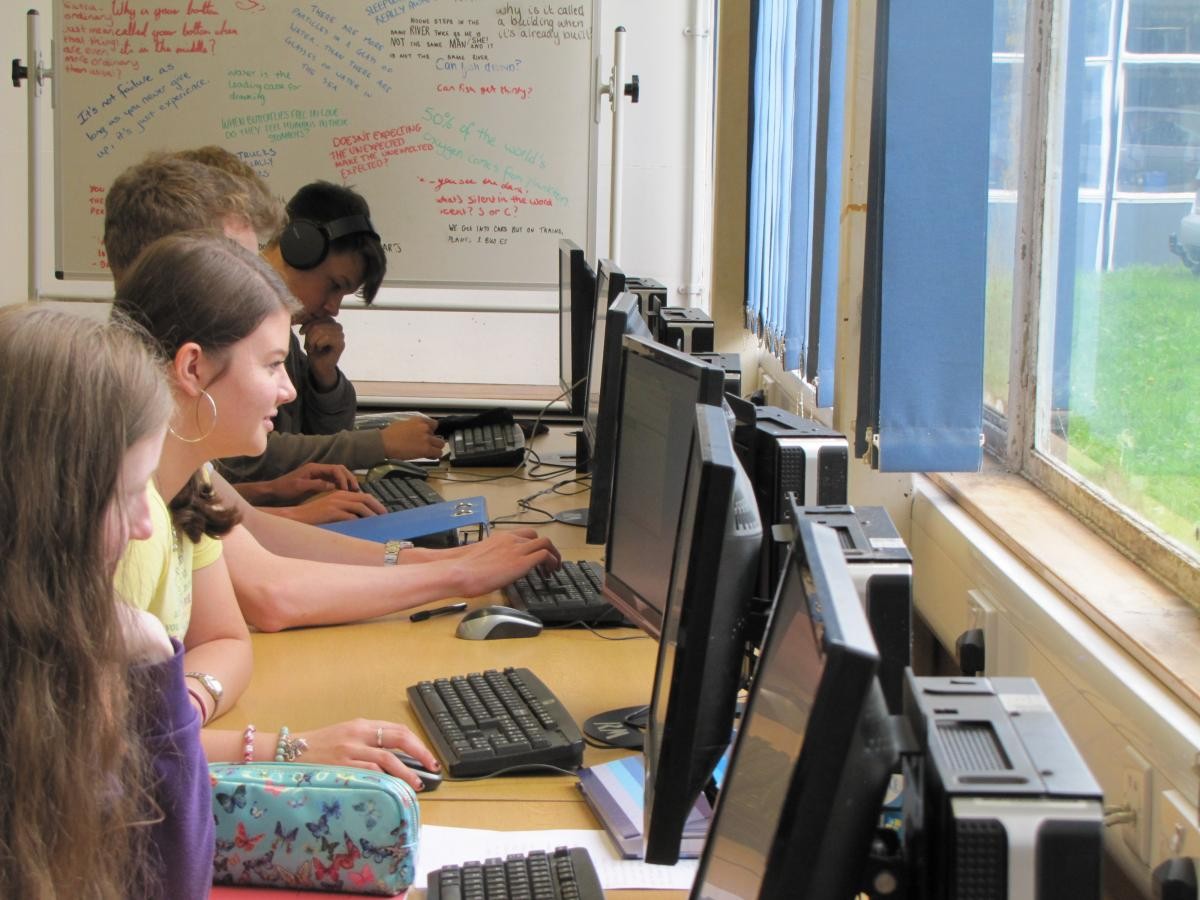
{"type": "Point", "coordinates": [524, 770]}
{"type": "Point", "coordinates": [553, 472]}
{"type": "Point", "coordinates": [598, 633]}
{"type": "Point", "coordinates": [526, 504]}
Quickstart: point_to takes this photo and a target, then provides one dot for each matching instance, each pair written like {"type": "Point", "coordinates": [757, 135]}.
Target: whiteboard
{"type": "Point", "coordinates": [466, 124]}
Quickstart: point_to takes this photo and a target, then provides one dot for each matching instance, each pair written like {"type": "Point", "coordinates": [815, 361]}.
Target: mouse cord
{"type": "Point", "coordinates": [526, 768]}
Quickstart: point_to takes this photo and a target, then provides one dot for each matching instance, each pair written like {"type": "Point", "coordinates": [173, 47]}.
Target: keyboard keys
{"type": "Point", "coordinates": [565, 874]}
{"type": "Point", "coordinates": [572, 594]}
{"type": "Point", "coordinates": [484, 722]}
{"type": "Point", "coordinates": [402, 493]}
{"type": "Point", "coordinates": [493, 444]}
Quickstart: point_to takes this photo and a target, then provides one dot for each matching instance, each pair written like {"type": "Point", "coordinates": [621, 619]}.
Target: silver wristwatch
{"type": "Point", "coordinates": [391, 551]}
{"type": "Point", "coordinates": [210, 684]}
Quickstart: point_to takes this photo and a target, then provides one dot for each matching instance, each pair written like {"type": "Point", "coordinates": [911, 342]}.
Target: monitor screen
{"type": "Point", "coordinates": [610, 281]}
{"type": "Point", "coordinates": [814, 753]}
{"type": "Point", "coordinates": [576, 310]}
{"type": "Point", "coordinates": [600, 416]}
{"type": "Point", "coordinates": [702, 648]}
{"type": "Point", "coordinates": [658, 391]}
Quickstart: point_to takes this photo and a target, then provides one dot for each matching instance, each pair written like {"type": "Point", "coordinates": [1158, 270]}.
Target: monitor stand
{"type": "Point", "coordinates": [580, 460]}
{"type": "Point", "coordinates": [577, 517]}
{"type": "Point", "coordinates": [621, 728]}
{"type": "Point", "coordinates": [557, 460]}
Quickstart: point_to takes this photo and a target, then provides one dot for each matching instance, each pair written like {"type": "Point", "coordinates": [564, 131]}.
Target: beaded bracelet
{"type": "Point", "coordinates": [282, 744]}
{"type": "Point", "coordinates": [289, 749]}
{"type": "Point", "coordinates": [248, 744]}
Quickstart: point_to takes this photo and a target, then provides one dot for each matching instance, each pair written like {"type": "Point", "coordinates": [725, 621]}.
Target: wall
{"type": "Point", "coordinates": [429, 344]}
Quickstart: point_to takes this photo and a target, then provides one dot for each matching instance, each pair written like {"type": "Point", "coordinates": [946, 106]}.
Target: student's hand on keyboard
{"type": "Point", "coordinates": [311, 478]}
{"type": "Point", "coordinates": [324, 342]}
{"type": "Point", "coordinates": [332, 506]}
{"type": "Point", "coordinates": [501, 558]}
{"type": "Point", "coordinates": [357, 743]}
{"type": "Point", "coordinates": [412, 438]}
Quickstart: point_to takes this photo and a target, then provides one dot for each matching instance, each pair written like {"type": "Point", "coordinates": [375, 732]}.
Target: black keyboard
{"type": "Point", "coordinates": [537, 875]}
{"type": "Point", "coordinates": [482, 723]}
{"type": "Point", "coordinates": [493, 444]}
{"type": "Point", "coordinates": [572, 594]}
{"type": "Point", "coordinates": [402, 493]}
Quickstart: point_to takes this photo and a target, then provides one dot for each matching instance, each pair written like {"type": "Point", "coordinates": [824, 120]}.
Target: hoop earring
{"type": "Point", "coordinates": [212, 405]}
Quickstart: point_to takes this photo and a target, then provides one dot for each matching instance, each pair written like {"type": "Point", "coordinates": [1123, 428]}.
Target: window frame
{"type": "Point", "coordinates": [1034, 285]}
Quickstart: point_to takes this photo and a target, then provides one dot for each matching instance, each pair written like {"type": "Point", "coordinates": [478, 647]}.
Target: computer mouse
{"type": "Point", "coordinates": [493, 622]}
{"type": "Point", "coordinates": [398, 468]}
{"type": "Point", "coordinates": [527, 427]}
{"type": "Point", "coordinates": [430, 781]}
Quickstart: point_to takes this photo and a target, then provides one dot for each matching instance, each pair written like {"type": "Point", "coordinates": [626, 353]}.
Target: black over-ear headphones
{"type": "Point", "coordinates": [304, 244]}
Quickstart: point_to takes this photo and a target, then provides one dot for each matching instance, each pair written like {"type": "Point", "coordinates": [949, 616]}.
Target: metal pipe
{"type": "Point", "coordinates": [698, 219]}
{"type": "Point", "coordinates": [33, 90]}
{"type": "Point", "coordinates": [616, 96]}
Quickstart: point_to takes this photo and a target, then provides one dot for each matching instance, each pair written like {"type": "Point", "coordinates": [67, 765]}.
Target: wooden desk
{"type": "Point", "coordinates": [312, 677]}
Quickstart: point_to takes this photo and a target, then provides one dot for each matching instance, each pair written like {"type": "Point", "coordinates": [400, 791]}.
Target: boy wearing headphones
{"type": "Point", "coordinates": [328, 250]}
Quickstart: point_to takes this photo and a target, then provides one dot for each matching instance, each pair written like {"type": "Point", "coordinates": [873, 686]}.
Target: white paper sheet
{"type": "Point", "coordinates": [442, 846]}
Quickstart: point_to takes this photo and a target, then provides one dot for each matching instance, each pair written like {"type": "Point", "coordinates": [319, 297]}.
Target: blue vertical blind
{"type": "Point", "coordinates": [921, 358]}
{"type": "Point", "coordinates": [788, 305]}
{"type": "Point", "coordinates": [926, 237]}
{"type": "Point", "coordinates": [780, 162]}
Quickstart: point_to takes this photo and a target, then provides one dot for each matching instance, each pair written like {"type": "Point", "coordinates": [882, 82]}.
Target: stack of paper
{"type": "Point", "coordinates": [615, 791]}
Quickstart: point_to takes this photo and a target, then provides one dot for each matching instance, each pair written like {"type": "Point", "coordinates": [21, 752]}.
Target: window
{"type": "Point", "coordinates": [1095, 239]}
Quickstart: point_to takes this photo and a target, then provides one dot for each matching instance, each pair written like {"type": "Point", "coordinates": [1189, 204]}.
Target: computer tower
{"type": "Point", "coordinates": [731, 363]}
{"type": "Point", "coordinates": [784, 453]}
{"type": "Point", "coordinates": [652, 296]}
{"type": "Point", "coordinates": [685, 329]}
{"type": "Point", "coordinates": [998, 803]}
{"type": "Point", "coordinates": [881, 568]}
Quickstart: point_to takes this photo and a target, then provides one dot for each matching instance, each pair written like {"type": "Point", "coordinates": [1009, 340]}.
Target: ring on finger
{"type": "Point", "coordinates": [379, 737]}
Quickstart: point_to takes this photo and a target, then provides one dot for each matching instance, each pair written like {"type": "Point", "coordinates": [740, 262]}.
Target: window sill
{"type": "Point", "coordinates": [1153, 625]}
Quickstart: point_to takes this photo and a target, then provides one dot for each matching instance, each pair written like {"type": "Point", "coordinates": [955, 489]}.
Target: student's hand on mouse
{"type": "Point", "coordinates": [412, 438]}
{"type": "Point", "coordinates": [501, 559]}
{"type": "Point", "coordinates": [337, 506]}
{"type": "Point", "coordinates": [357, 743]}
{"type": "Point", "coordinates": [311, 478]}
{"type": "Point", "coordinates": [145, 637]}
{"type": "Point", "coordinates": [324, 342]}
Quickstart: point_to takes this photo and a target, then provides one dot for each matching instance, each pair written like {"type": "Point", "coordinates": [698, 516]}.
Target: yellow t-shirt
{"type": "Point", "coordinates": [156, 574]}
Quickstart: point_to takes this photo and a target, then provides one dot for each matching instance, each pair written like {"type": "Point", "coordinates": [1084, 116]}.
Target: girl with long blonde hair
{"type": "Point", "coordinates": [103, 785]}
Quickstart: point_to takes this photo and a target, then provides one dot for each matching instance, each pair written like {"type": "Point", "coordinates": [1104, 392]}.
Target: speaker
{"type": "Point", "coordinates": [304, 244]}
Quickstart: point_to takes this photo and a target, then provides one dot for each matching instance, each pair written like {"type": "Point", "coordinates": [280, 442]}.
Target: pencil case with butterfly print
{"type": "Point", "coordinates": [321, 828]}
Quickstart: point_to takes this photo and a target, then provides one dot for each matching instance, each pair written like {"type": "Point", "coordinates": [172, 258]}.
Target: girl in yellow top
{"type": "Point", "coordinates": [225, 370]}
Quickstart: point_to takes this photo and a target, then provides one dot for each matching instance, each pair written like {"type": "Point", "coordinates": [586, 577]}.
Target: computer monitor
{"type": "Point", "coordinates": [610, 281]}
{"type": "Point", "coordinates": [600, 414]}
{"type": "Point", "coordinates": [702, 650]}
{"type": "Point", "coordinates": [576, 311]}
{"type": "Point", "coordinates": [659, 388]}
{"type": "Point", "coordinates": [811, 762]}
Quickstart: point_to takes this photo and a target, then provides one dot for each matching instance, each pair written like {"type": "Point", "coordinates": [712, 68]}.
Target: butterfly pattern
{"type": "Point", "coordinates": [395, 855]}
{"type": "Point", "coordinates": [236, 800]}
{"type": "Point", "coordinates": [258, 810]}
{"type": "Point", "coordinates": [367, 808]}
{"type": "Point", "coordinates": [287, 838]}
{"type": "Point", "coordinates": [244, 841]}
